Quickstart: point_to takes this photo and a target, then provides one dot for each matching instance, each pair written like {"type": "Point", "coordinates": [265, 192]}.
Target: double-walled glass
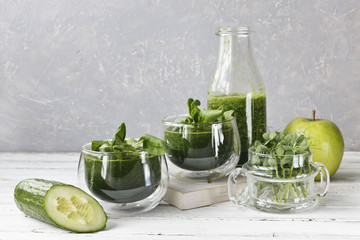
{"type": "Point", "coordinates": [126, 182]}
{"type": "Point", "coordinates": [265, 184]}
{"type": "Point", "coordinates": [201, 151]}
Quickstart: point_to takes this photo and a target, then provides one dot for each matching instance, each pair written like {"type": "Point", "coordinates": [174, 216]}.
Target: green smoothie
{"type": "Point", "coordinates": [122, 180]}
{"type": "Point", "coordinates": [197, 148]}
{"type": "Point", "coordinates": [250, 113]}
{"type": "Point", "coordinates": [123, 170]}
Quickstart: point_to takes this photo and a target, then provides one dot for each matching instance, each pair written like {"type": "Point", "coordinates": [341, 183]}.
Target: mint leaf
{"type": "Point", "coordinates": [255, 160]}
{"type": "Point", "coordinates": [266, 136]}
{"type": "Point", "coordinates": [204, 115]}
{"type": "Point", "coordinates": [185, 120]}
{"type": "Point", "coordinates": [272, 135]}
{"type": "Point", "coordinates": [286, 160]}
{"type": "Point", "coordinates": [300, 149]}
{"type": "Point", "coordinates": [106, 147]}
{"type": "Point", "coordinates": [194, 111]}
{"type": "Point", "coordinates": [122, 149]}
{"type": "Point", "coordinates": [133, 142]}
{"type": "Point", "coordinates": [119, 136]}
{"type": "Point", "coordinates": [153, 145]}
{"type": "Point", "coordinates": [207, 116]}
{"type": "Point", "coordinates": [227, 115]}
{"type": "Point", "coordinates": [272, 162]}
{"type": "Point", "coordinates": [280, 150]}
{"type": "Point", "coordinates": [95, 145]}
{"type": "Point", "coordinates": [262, 149]}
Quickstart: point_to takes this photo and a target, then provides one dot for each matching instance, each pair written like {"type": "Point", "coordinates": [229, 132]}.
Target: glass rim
{"type": "Point", "coordinates": [167, 122]}
{"type": "Point", "coordinates": [280, 180]}
{"type": "Point", "coordinates": [89, 151]}
{"type": "Point", "coordinates": [274, 155]}
{"type": "Point", "coordinates": [233, 31]}
{"type": "Point", "coordinates": [260, 172]}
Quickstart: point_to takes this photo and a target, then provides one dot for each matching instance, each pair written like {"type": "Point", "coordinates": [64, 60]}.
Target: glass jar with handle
{"type": "Point", "coordinates": [277, 189]}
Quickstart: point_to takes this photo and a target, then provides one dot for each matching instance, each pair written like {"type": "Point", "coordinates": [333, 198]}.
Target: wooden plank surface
{"type": "Point", "coordinates": [336, 217]}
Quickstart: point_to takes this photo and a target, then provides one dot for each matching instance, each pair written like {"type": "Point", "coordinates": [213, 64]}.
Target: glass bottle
{"type": "Point", "coordinates": [237, 84]}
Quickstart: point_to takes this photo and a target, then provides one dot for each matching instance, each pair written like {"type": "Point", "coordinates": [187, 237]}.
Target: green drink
{"type": "Point", "coordinates": [250, 113]}
{"type": "Point", "coordinates": [131, 178]}
{"type": "Point", "coordinates": [193, 147]}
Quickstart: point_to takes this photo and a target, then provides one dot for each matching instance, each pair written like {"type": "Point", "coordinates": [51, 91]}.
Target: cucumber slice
{"type": "Point", "coordinates": [60, 204]}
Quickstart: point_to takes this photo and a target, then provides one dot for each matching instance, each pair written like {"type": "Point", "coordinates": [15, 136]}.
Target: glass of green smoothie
{"type": "Point", "coordinates": [204, 149]}
{"type": "Point", "coordinates": [127, 175]}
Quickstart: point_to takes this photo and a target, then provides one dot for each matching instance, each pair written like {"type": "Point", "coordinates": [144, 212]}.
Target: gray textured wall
{"type": "Point", "coordinates": [72, 71]}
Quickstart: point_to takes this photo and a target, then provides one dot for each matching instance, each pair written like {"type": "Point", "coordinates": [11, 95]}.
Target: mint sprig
{"type": "Point", "coordinates": [276, 156]}
{"type": "Point", "coordinates": [153, 145]}
{"type": "Point", "coordinates": [277, 143]}
{"type": "Point", "coordinates": [204, 115]}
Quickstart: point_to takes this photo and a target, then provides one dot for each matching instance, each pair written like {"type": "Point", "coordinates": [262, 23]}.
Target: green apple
{"type": "Point", "coordinates": [327, 142]}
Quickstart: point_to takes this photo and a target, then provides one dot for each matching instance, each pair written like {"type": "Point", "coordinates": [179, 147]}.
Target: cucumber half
{"type": "Point", "coordinates": [60, 204]}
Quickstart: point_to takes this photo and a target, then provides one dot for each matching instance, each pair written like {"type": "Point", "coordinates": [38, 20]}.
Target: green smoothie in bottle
{"type": "Point", "coordinates": [250, 114]}
{"type": "Point", "coordinates": [237, 84]}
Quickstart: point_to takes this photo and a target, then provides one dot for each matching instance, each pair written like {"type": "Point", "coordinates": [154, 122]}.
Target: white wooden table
{"type": "Point", "coordinates": [336, 217]}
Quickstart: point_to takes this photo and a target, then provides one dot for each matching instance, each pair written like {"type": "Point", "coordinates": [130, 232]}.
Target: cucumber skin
{"type": "Point", "coordinates": [29, 196]}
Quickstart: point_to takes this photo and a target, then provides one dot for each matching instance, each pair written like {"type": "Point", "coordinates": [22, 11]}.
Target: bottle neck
{"type": "Point", "coordinates": [236, 71]}
{"type": "Point", "coordinates": [235, 48]}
